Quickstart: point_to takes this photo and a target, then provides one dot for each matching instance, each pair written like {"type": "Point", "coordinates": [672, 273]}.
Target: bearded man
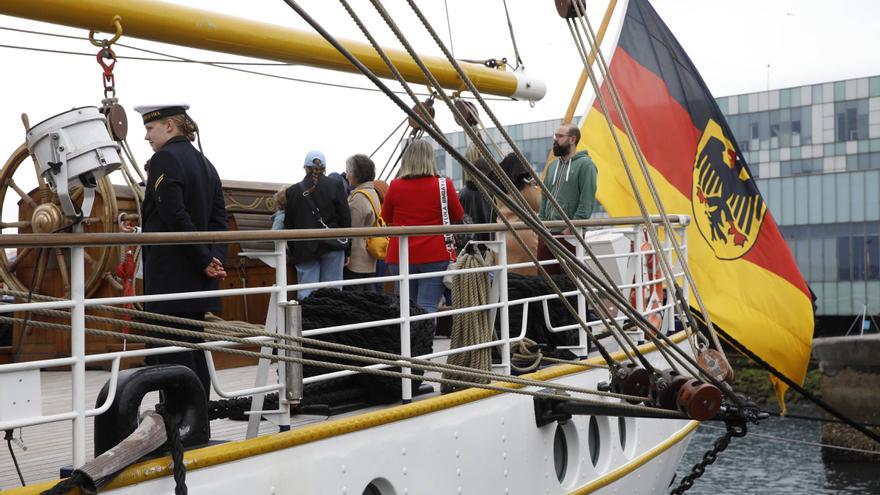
{"type": "Point", "coordinates": [571, 179]}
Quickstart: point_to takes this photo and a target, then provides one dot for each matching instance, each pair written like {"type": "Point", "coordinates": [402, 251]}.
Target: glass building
{"type": "Point", "coordinates": [815, 153]}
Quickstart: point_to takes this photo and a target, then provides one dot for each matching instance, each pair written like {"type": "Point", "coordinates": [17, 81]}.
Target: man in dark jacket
{"type": "Point", "coordinates": [317, 202]}
{"type": "Point", "coordinates": [183, 194]}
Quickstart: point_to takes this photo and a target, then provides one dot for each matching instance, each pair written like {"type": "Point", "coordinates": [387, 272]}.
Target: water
{"type": "Point", "coordinates": [753, 464]}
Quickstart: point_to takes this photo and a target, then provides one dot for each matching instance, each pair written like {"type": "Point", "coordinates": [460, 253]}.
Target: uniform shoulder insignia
{"type": "Point", "coordinates": [158, 181]}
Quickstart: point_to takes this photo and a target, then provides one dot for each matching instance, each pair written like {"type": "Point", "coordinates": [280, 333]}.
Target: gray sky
{"type": "Point", "coordinates": [256, 128]}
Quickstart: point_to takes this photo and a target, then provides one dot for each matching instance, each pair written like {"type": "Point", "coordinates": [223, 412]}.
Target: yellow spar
{"type": "Point", "coordinates": [185, 26]}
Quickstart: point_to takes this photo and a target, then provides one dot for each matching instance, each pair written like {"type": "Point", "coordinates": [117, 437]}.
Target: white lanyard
{"type": "Point", "coordinates": [444, 208]}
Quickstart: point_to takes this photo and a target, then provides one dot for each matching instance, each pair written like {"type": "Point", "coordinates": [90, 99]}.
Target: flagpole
{"type": "Point", "coordinates": [582, 82]}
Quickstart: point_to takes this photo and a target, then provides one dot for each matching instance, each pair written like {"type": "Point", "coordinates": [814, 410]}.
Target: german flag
{"type": "Point", "coordinates": [742, 266]}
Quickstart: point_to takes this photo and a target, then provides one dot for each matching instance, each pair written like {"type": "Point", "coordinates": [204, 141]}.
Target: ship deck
{"type": "Point", "coordinates": [49, 445]}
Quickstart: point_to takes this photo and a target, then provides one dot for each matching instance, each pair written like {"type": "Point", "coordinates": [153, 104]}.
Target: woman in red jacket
{"type": "Point", "coordinates": [414, 199]}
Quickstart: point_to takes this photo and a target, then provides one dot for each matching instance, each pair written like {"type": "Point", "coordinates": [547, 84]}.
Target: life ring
{"type": "Point", "coordinates": [652, 293]}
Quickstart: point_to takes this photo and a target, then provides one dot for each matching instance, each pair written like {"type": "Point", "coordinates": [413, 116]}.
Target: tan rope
{"type": "Point", "coordinates": [469, 290]}
{"type": "Point", "coordinates": [367, 356]}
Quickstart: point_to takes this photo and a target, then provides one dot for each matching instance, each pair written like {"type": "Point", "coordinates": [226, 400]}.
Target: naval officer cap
{"type": "Point", "coordinates": [156, 112]}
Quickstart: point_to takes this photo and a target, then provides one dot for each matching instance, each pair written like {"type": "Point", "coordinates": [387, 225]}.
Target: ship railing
{"type": "Point", "coordinates": [31, 414]}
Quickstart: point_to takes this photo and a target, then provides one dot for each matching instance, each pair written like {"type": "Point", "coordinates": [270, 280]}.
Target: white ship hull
{"type": "Point", "coordinates": [475, 441]}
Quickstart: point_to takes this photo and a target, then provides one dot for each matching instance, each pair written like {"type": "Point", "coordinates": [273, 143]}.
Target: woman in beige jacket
{"type": "Point", "coordinates": [364, 204]}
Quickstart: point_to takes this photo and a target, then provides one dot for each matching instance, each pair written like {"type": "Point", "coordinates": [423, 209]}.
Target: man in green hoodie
{"type": "Point", "coordinates": [571, 179]}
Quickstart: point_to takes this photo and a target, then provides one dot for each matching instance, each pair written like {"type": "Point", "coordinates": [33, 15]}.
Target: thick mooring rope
{"type": "Point", "coordinates": [470, 290]}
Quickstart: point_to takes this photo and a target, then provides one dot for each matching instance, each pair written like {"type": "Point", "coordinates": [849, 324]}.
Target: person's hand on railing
{"type": "Point", "coordinates": [215, 269]}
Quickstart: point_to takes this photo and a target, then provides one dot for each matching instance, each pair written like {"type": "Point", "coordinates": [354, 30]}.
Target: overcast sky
{"type": "Point", "coordinates": [257, 128]}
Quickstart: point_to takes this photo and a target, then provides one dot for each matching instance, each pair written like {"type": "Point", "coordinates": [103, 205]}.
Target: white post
{"type": "Point", "coordinates": [583, 342]}
{"type": "Point", "coordinates": [640, 266]}
{"type": "Point", "coordinates": [669, 316]}
{"type": "Point", "coordinates": [270, 326]}
{"type": "Point", "coordinates": [78, 351]}
{"type": "Point", "coordinates": [405, 350]}
{"type": "Point", "coordinates": [505, 310]}
{"type": "Point", "coordinates": [280, 319]}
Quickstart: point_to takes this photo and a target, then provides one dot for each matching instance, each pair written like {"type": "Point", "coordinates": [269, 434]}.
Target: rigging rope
{"type": "Point", "coordinates": [678, 295]}
{"type": "Point", "coordinates": [555, 247]}
{"type": "Point", "coordinates": [232, 333]}
{"type": "Point", "coordinates": [558, 251]}
{"type": "Point", "coordinates": [228, 65]}
{"type": "Point", "coordinates": [518, 204]}
{"type": "Point", "coordinates": [357, 369]}
{"type": "Point", "coordinates": [519, 63]}
{"type": "Point", "coordinates": [802, 442]}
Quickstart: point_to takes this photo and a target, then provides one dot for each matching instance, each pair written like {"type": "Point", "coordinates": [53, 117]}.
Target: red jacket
{"type": "Point", "coordinates": [416, 201]}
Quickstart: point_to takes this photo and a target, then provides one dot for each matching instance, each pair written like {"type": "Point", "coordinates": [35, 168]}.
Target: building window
{"type": "Point", "coordinates": [843, 259]}
{"type": "Point", "coordinates": [851, 120]}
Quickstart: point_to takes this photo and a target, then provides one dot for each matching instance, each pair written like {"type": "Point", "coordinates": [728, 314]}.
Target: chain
{"type": "Point", "coordinates": [107, 78]}
{"type": "Point", "coordinates": [735, 428]}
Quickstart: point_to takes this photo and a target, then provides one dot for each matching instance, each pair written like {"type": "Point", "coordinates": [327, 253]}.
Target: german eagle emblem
{"type": "Point", "coordinates": [728, 209]}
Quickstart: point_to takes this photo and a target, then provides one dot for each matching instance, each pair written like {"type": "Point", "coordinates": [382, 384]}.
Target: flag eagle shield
{"type": "Point", "coordinates": [741, 264]}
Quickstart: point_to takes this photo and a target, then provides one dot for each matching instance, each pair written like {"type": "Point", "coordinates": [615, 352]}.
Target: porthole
{"type": "Point", "coordinates": [560, 453]}
{"type": "Point", "coordinates": [379, 486]}
{"type": "Point", "coordinates": [594, 441]}
{"type": "Point", "coordinates": [627, 433]}
{"type": "Point", "coordinates": [566, 454]}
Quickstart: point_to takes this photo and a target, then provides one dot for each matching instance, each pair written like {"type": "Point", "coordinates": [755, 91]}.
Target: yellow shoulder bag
{"type": "Point", "coordinates": [377, 246]}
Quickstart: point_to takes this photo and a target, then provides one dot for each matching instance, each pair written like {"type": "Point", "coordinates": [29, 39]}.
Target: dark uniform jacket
{"type": "Point", "coordinates": [183, 194]}
{"type": "Point", "coordinates": [331, 199]}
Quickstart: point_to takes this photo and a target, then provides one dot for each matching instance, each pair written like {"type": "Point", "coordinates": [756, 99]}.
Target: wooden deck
{"type": "Point", "coordinates": [49, 445]}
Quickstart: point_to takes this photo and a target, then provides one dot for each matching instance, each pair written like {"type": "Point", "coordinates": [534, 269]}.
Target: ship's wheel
{"type": "Point", "coordinates": [39, 211]}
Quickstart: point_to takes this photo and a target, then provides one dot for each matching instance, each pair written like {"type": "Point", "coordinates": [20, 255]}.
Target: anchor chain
{"type": "Point", "coordinates": [735, 428]}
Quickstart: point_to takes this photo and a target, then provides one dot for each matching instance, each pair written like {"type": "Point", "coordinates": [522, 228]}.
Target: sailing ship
{"type": "Point", "coordinates": [641, 291]}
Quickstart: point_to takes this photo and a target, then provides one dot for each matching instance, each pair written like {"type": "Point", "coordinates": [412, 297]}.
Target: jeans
{"type": "Point", "coordinates": [381, 271]}
{"type": "Point", "coordinates": [426, 292]}
{"type": "Point", "coordinates": [327, 268]}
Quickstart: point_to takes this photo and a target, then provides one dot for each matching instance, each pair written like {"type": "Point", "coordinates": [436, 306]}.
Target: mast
{"type": "Point", "coordinates": [195, 28]}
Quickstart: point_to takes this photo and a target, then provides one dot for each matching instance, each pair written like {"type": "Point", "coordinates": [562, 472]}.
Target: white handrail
{"type": "Point", "coordinates": [500, 270]}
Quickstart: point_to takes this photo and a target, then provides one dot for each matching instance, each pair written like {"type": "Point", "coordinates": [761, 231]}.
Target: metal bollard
{"type": "Point", "coordinates": [293, 375]}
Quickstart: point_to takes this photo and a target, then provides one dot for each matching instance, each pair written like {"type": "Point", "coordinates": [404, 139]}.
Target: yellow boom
{"type": "Point", "coordinates": [175, 24]}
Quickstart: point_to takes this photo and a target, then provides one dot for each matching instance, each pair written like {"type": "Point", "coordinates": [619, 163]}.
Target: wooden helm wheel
{"type": "Point", "coordinates": [39, 211]}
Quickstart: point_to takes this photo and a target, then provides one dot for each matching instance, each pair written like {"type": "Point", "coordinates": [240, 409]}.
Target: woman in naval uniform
{"type": "Point", "coordinates": [183, 194]}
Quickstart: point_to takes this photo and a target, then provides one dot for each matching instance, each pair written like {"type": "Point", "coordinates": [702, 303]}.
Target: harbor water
{"type": "Point", "coordinates": [768, 461]}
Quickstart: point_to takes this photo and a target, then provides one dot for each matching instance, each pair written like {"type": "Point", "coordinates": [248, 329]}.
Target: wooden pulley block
{"type": "Point", "coordinates": [631, 379]}
{"type": "Point", "coordinates": [665, 393]}
{"type": "Point", "coordinates": [566, 8]}
{"type": "Point", "coordinates": [117, 119]}
{"type": "Point", "coordinates": [714, 364]}
{"type": "Point", "coordinates": [429, 107]}
{"type": "Point", "coordinates": [700, 401]}
{"type": "Point", "coordinates": [469, 111]}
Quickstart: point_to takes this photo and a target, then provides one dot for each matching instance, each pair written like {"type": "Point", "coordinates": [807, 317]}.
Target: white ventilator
{"type": "Point", "coordinates": [74, 148]}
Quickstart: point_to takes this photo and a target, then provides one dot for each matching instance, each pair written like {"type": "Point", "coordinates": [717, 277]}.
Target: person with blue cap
{"type": "Point", "coordinates": [314, 203]}
{"type": "Point", "coordinates": [183, 194]}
